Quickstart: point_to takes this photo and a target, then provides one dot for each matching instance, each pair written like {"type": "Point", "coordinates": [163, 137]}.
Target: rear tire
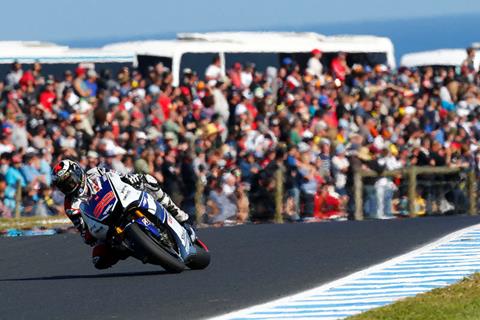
{"type": "Point", "coordinates": [150, 251]}
{"type": "Point", "coordinates": [200, 260]}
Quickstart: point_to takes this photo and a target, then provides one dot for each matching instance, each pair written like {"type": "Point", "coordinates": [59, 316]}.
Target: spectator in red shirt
{"type": "Point", "coordinates": [236, 75]}
{"type": "Point", "coordinates": [339, 66]}
{"type": "Point", "coordinates": [48, 96]}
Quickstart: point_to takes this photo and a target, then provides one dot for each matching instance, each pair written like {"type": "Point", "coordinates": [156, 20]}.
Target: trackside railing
{"type": "Point", "coordinates": [411, 175]}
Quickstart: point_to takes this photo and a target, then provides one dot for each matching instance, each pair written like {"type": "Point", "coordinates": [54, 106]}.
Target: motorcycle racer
{"type": "Point", "coordinates": [78, 185]}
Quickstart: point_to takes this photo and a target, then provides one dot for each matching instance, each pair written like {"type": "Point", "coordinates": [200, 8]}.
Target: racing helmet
{"type": "Point", "coordinates": [69, 177]}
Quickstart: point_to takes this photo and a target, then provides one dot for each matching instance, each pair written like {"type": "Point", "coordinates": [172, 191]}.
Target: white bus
{"type": "Point", "coordinates": [197, 50]}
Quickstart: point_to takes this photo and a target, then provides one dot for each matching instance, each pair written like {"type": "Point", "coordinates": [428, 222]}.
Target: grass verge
{"type": "Point", "coordinates": [460, 301]}
{"type": "Point", "coordinates": [33, 222]}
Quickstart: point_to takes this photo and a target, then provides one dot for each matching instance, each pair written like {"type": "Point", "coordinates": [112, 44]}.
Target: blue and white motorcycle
{"type": "Point", "coordinates": [134, 222]}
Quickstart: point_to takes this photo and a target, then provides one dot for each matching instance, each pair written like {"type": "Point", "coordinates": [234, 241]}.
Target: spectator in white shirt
{"type": "Point", "coordinates": [247, 75]}
{"type": "Point", "coordinates": [314, 64]}
{"type": "Point", "coordinates": [340, 166]}
{"type": "Point", "coordinates": [214, 71]}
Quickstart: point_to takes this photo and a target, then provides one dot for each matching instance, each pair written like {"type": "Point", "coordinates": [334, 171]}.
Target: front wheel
{"type": "Point", "coordinates": [148, 250]}
{"type": "Point", "coordinates": [201, 259]}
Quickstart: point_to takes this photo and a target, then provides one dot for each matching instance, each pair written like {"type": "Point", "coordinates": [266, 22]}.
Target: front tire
{"type": "Point", "coordinates": [199, 260]}
{"type": "Point", "coordinates": [150, 251]}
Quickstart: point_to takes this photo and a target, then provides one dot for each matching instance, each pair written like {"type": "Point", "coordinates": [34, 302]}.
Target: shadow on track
{"type": "Point", "coordinates": [92, 276]}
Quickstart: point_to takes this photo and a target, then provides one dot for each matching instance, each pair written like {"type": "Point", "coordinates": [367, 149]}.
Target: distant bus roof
{"type": "Point", "coordinates": [45, 52]}
{"type": "Point", "coordinates": [441, 57]}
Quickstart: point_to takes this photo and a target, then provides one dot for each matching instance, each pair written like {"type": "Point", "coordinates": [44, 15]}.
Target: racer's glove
{"type": "Point", "coordinates": [135, 180]}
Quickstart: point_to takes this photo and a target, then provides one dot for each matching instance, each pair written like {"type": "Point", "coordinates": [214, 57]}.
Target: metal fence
{"type": "Point", "coordinates": [415, 191]}
{"type": "Point", "coordinates": [443, 189]}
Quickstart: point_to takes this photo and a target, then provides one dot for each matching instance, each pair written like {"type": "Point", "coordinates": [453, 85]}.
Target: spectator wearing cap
{"type": "Point", "coordinates": [314, 65]}
{"type": "Point", "coordinates": [66, 83]}
{"type": "Point", "coordinates": [80, 87]}
{"type": "Point", "coordinates": [92, 160]}
{"type": "Point", "coordinates": [91, 82]}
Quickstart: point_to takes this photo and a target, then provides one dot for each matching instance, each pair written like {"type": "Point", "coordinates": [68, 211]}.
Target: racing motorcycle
{"type": "Point", "coordinates": [132, 221]}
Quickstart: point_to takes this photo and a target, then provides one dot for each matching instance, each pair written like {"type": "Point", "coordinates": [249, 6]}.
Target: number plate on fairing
{"type": "Point", "coordinates": [101, 204]}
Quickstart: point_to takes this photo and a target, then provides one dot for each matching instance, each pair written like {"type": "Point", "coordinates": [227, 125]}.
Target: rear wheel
{"type": "Point", "coordinates": [199, 260]}
{"type": "Point", "coordinates": [149, 250]}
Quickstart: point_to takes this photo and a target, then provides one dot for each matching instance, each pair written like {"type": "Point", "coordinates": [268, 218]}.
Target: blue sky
{"type": "Point", "coordinates": [68, 20]}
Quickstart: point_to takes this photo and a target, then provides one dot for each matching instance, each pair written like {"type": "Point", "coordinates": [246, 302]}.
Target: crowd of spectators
{"type": "Point", "coordinates": [217, 140]}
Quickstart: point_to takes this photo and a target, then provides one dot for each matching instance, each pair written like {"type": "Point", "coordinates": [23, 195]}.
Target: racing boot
{"type": "Point", "coordinates": [152, 185]}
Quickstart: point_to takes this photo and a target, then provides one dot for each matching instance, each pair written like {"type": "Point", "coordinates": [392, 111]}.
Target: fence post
{"type": "Point", "coordinates": [278, 196]}
{"type": "Point", "coordinates": [18, 199]}
{"type": "Point", "coordinates": [199, 208]}
{"type": "Point", "coordinates": [412, 189]}
{"type": "Point", "coordinates": [472, 192]}
{"type": "Point", "coordinates": [358, 194]}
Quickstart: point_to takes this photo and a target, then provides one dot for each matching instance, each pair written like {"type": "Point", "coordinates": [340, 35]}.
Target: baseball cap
{"type": "Point", "coordinates": [80, 71]}
{"type": "Point", "coordinates": [7, 130]}
{"type": "Point", "coordinates": [141, 135]}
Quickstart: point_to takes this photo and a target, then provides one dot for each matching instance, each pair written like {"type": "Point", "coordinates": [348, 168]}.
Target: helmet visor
{"type": "Point", "coordinates": [70, 181]}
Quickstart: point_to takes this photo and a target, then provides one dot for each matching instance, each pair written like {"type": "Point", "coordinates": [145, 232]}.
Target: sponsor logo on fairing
{"type": "Point", "coordinates": [100, 207]}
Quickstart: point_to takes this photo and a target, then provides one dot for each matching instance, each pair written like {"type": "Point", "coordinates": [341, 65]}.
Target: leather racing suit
{"type": "Point", "coordinates": [103, 256]}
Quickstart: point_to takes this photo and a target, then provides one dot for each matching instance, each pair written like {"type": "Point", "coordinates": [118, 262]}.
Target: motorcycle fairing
{"type": "Point", "coordinates": [100, 205]}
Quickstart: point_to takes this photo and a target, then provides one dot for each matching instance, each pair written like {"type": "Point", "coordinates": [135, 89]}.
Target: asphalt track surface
{"type": "Point", "coordinates": [51, 277]}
